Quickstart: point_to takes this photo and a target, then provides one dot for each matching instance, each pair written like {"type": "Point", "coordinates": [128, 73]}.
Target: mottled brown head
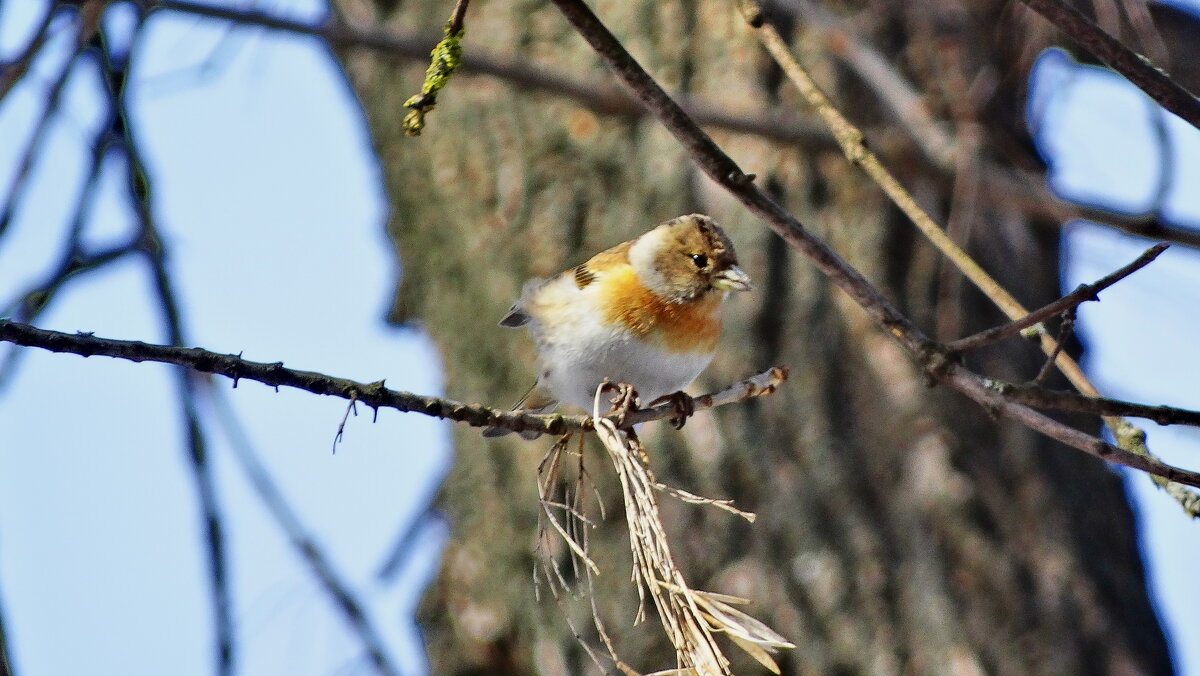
{"type": "Point", "coordinates": [686, 258]}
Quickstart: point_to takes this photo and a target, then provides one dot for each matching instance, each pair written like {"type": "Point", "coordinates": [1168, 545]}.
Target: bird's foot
{"type": "Point", "coordinates": [684, 405]}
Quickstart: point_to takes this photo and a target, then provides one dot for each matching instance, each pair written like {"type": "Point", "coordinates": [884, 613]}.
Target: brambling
{"type": "Point", "coordinates": [645, 312]}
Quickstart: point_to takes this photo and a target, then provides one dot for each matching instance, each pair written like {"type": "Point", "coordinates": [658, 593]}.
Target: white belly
{"type": "Point", "coordinates": [574, 370]}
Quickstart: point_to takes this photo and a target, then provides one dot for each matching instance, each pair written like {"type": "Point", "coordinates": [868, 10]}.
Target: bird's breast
{"type": "Point", "coordinates": [692, 326]}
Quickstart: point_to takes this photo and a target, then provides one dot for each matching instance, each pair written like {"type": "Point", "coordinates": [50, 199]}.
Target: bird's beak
{"type": "Point", "coordinates": [732, 279]}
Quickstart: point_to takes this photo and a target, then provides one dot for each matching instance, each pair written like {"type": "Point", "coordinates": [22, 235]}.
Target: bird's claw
{"type": "Point", "coordinates": [684, 406]}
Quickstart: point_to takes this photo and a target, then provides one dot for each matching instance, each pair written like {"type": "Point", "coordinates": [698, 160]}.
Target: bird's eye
{"type": "Point", "coordinates": [700, 260]}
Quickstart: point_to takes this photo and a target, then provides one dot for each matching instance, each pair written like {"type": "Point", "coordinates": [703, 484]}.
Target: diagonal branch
{"type": "Point", "coordinates": [1136, 68]}
{"type": "Point", "coordinates": [971, 385]}
{"type": "Point", "coordinates": [933, 357]}
{"type": "Point", "coordinates": [13, 70]}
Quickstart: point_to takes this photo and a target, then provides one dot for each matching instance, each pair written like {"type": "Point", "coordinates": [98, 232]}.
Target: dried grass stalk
{"type": "Point", "coordinates": [690, 618]}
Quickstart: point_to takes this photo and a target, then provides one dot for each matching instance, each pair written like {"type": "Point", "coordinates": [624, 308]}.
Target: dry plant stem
{"type": "Point", "coordinates": [689, 617]}
{"type": "Point", "coordinates": [725, 172]}
{"type": "Point", "coordinates": [1084, 293]}
{"type": "Point", "coordinates": [1024, 191]}
{"type": "Point", "coordinates": [1136, 68]}
{"type": "Point", "coordinates": [375, 395]}
{"type": "Point", "coordinates": [652, 562]}
{"type": "Point", "coordinates": [851, 141]}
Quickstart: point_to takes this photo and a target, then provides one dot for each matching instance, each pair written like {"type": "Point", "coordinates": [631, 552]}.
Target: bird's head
{"type": "Point", "coordinates": [686, 258]}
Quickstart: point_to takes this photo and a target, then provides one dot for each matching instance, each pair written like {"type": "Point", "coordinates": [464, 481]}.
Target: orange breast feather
{"type": "Point", "coordinates": [679, 327]}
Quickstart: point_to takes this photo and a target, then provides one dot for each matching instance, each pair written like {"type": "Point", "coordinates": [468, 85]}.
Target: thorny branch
{"type": "Point", "coordinates": [374, 395]}
{"type": "Point", "coordinates": [932, 356]}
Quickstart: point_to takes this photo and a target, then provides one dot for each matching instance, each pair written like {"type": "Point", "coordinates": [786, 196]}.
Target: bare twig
{"type": "Point", "coordinates": [1084, 293]}
{"type": "Point", "coordinates": [1033, 197]}
{"type": "Point", "coordinates": [1065, 330]}
{"type": "Point", "coordinates": [1040, 397]}
{"type": "Point", "coordinates": [1135, 67]}
{"type": "Point", "coordinates": [977, 389]}
{"type": "Point", "coordinates": [851, 140]}
{"type": "Point", "coordinates": [20, 178]}
{"type": "Point", "coordinates": [6, 660]}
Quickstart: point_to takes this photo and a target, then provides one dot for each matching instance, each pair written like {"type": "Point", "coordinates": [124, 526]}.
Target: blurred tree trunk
{"type": "Point", "coordinates": [901, 530]}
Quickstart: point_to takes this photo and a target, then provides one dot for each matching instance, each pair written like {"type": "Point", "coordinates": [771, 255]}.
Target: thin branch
{"type": "Point", "coordinates": [1058, 400]}
{"type": "Point", "coordinates": [298, 537]}
{"type": "Point", "coordinates": [971, 385]}
{"type": "Point", "coordinates": [20, 179]}
{"type": "Point", "coordinates": [1032, 197]}
{"type": "Point", "coordinates": [906, 104]}
{"type": "Point", "coordinates": [1065, 329]}
{"type": "Point", "coordinates": [851, 140]}
{"type": "Point", "coordinates": [458, 15]}
{"type": "Point", "coordinates": [6, 659]}
{"type": "Point", "coordinates": [1025, 191]}
{"type": "Point", "coordinates": [1136, 68]}
{"type": "Point", "coordinates": [725, 172]}
{"type": "Point", "coordinates": [115, 69]}
{"type": "Point", "coordinates": [1084, 293]}
{"type": "Point", "coordinates": [375, 395]}
{"type": "Point", "coordinates": [599, 97]}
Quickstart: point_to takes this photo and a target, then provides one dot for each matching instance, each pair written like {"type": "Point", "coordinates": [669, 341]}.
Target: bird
{"type": "Point", "coordinates": [645, 312]}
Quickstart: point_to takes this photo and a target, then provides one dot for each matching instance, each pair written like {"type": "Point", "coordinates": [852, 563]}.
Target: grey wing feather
{"type": "Point", "coordinates": [516, 317]}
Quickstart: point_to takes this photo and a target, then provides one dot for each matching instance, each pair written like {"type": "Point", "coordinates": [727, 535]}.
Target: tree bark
{"type": "Point", "coordinates": [900, 530]}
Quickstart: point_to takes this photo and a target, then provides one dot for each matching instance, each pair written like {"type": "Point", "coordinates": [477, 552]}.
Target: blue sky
{"type": "Point", "coordinates": [271, 204]}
